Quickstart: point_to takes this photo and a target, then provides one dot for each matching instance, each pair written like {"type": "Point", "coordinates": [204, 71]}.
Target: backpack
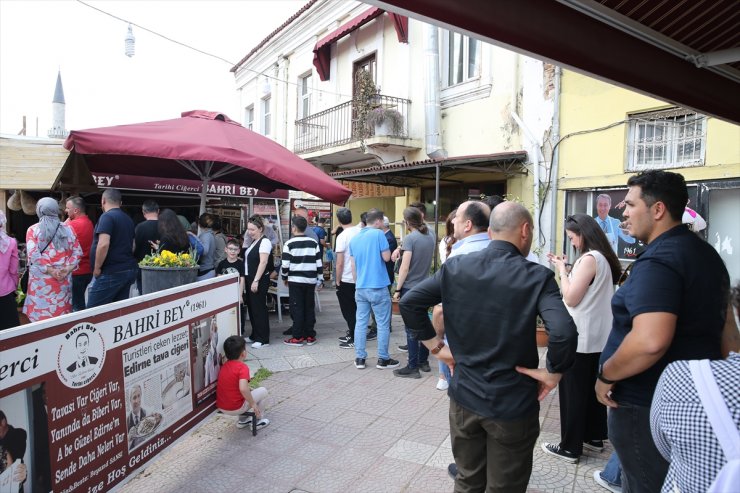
{"type": "Point", "coordinates": [723, 426]}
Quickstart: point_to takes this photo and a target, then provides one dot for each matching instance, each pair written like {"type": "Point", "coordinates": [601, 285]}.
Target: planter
{"type": "Point", "coordinates": [383, 129]}
{"type": "Point", "coordinates": [542, 337]}
{"type": "Point", "coordinates": [155, 279]}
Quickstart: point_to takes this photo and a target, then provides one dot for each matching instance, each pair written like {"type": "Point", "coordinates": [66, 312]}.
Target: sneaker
{"type": "Point", "coordinates": [407, 372]}
{"type": "Point", "coordinates": [387, 363]}
{"type": "Point", "coordinates": [372, 335]}
{"type": "Point", "coordinates": [403, 349]}
{"type": "Point", "coordinates": [288, 331]}
{"type": "Point", "coordinates": [345, 338]}
{"type": "Point", "coordinates": [310, 341]}
{"type": "Point", "coordinates": [425, 367]}
{"type": "Point", "coordinates": [294, 342]}
{"type": "Point", "coordinates": [442, 384]}
{"type": "Point", "coordinates": [244, 421]}
{"type": "Point", "coordinates": [360, 363]}
{"type": "Point", "coordinates": [258, 345]}
{"type": "Point", "coordinates": [452, 470]}
{"type": "Point", "coordinates": [347, 345]}
{"type": "Point", "coordinates": [249, 340]}
{"type": "Point", "coordinates": [595, 445]}
{"type": "Point", "coordinates": [606, 484]}
{"type": "Point", "coordinates": [560, 453]}
{"type": "Point", "coordinates": [262, 423]}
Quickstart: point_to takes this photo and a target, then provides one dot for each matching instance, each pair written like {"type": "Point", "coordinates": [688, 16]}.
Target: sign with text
{"type": "Point", "coordinates": [91, 396]}
{"type": "Point", "coordinates": [180, 185]}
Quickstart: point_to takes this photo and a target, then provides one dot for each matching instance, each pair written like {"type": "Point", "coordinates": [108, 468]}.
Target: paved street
{"type": "Point", "coordinates": [335, 428]}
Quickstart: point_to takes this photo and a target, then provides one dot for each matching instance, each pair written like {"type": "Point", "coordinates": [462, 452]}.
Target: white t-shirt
{"type": "Point", "coordinates": [342, 246]}
{"type": "Point", "coordinates": [265, 247]}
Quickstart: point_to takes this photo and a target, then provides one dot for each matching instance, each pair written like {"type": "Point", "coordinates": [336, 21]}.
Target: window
{"type": "Point", "coordinates": [266, 115]}
{"type": "Point", "coordinates": [304, 96]}
{"type": "Point", "coordinates": [249, 117]}
{"type": "Point", "coordinates": [460, 58]}
{"type": "Point", "coordinates": [671, 138]}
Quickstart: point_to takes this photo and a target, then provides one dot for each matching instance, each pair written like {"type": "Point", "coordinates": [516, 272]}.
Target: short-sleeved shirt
{"type": "Point", "coordinates": [392, 245]}
{"type": "Point", "coordinates": [228, 396]}
{"type": "Point", "coordinates": [678, 273]}
{"type": "Point", "coordinates": [120, 227]}
{"type": "Point", "coordinates": [421, 247]}
{"type": "Point", "coordinates": [83, 228]}
{"type": "Point", "coordinates": [145, 232]}
{"type": "Point", "coordinates": [265, 247]}
{"type": "Point", "coordinates": [342, 246]}
{"type": "Point", "coordinates": [366, 248]}
{"type": "Point", "coordinates": [320, 235]}
{"type": "Point", "coordinates": [225, 267]}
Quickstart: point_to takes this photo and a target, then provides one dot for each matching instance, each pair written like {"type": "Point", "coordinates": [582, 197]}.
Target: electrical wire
{"type": "Point", "coordinates": [185, 45]}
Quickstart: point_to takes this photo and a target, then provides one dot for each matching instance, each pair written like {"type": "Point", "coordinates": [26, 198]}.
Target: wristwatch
{"type": "Point", "coordinates": [601, 376]}
{"type": "Point", "coordinates": [438, 347]}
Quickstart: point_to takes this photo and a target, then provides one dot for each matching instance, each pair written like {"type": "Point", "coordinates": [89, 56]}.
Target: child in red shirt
{"type": "Point", "coordinates": [233, 395]}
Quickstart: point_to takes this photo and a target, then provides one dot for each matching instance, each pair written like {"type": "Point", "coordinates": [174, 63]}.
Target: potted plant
{"type": "Point", "coordinates": [387, 121]}
{"type": "Point", "coordinates": [164, 270]}
{"type": "Point", "coordinates": [366, 98]}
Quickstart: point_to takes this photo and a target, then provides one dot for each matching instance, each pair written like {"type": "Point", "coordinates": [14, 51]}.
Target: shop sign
{"type": "Point", "coordinates": [362, 190]}
{"type": "Point", "coordinates": [178, 185]}
{"type": "Point", "coordinates": [93, 396]}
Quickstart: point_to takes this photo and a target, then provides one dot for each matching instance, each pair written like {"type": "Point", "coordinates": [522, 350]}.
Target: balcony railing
{"type": "Point", "coordinates": [347, 123]}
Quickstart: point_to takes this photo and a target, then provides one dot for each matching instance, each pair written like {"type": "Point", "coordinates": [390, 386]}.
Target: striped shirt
{"type": "Point", "coordinates": [301, 261]}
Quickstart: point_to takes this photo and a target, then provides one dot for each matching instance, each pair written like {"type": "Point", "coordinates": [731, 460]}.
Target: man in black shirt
{"type": "Point", "coordinates": [493, 406]}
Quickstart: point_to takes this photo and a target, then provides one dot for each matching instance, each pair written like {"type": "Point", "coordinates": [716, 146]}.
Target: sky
{"type": "Point", "coordinates": [102, 86]}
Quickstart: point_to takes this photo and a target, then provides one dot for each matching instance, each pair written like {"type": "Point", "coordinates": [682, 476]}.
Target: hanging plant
{"type": "Point", "coordinates": [389, 116]}
{"type": "Point", "coordinates": [366, 98]}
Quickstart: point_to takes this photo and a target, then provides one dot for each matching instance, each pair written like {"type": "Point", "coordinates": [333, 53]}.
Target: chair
{"type": "Point", "coordinates": [279, 290]}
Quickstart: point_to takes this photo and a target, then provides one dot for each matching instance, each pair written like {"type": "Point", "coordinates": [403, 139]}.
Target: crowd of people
{"type": "Point", "coordinates": [645, 357]}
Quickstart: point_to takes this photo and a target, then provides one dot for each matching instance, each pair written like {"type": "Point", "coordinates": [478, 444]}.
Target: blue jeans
{"type": "Point", "coordinates": [612, 472]}
{"type": "Point", "coordinates": [377, 300]}
{"type": "Point", "coordinates": [79, 285]}
{"type": "Point", "coordinates": [643, 468]}
{"type": "Point", "coordinates": [418, 352]}
{"type": "Point", "coordinates": [107, 288]}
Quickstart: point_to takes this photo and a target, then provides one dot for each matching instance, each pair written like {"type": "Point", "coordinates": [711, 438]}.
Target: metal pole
{"type": "Point", "coordinates": [436, 212]}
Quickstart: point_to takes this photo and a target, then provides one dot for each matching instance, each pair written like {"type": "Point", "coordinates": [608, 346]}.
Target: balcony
{"type": "Point", "coordinates": [337, 129]}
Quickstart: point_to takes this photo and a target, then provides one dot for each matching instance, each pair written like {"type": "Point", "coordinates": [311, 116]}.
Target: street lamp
{"type": "Point", "coordinates": [130, 40]}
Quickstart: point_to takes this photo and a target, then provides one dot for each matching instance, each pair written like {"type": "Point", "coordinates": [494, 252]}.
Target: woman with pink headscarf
{"type": "Point", "coordinates": [8, 277]}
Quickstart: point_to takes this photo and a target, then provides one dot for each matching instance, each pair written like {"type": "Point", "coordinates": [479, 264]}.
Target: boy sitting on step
{"type": "Point", "coordinates": [233, 395]}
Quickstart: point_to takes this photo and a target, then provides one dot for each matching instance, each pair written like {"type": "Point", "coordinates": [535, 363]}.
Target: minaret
{"type": "Point", "coordinates": [58, 130]}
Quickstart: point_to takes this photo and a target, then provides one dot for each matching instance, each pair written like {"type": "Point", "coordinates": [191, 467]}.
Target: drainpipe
{"type": "Point", "coordinates": [537, 158]}
{"type": "Point", "coordinates": [555, 160]}
{"type": "Point", "coordinates": [432, 107]}
{"type": "Point", "coordinates": [285, 62]}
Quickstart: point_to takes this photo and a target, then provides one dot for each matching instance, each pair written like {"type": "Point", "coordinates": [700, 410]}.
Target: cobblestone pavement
{"type": "Point", "coordinates": [335, 428]}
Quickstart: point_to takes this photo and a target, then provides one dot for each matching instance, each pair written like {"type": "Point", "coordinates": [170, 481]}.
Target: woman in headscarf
{"type": "Point", "coordinates": [53, 253]}
{"type": "Point", "coordinates": [8, 278]}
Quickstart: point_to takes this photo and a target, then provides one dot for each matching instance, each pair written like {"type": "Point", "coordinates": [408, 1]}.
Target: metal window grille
{"type": "Point", "coordinates": [666, 139]}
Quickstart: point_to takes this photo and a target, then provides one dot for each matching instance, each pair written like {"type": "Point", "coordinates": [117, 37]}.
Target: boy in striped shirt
{"type": "Point", "coordinates": [302, 271]}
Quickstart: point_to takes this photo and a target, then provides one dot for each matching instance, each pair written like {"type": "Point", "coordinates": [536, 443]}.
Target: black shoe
{"type": "Point", "coordinates": [288, 331]}
{"type": "Point", "coordinates": [387, 363]}
{"type": "Point", "coordinates": [560, 453]}
{"type": "Point", "coordinates": [403, 349]}
{"type": "Point", "coordinates": [347, 345]}
{"type": "Point", "coordinates": [407, 372]}
{"type": "Point", "coordinates": [425, 367]}
{"type": "Point", "coordinates": [372, 335]}
{"type": "Point", "coordinates": [452, 470]}
{"type": "Point", "coordinates": [360, 363]}
{"type": "Point", "coordinates": [595, 445]}
{"type": "Point", "coordinates": [345, 338]}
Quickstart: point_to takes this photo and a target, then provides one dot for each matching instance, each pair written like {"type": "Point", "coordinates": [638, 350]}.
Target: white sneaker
{"type": "Point", "coordinates": [258, 345]}
{"type": "Point", "coordinates": [605, 484]}
{"type": "Point", "coordinates": [262, 423]}
{"type": "Point", "coordinates": [243, 422]}
{"type": "Point", "coordinates": [248, 340]}
{"type": "Point", "coordinates": [442, 384]}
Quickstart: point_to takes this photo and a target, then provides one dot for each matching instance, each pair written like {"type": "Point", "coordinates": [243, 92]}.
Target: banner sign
{"type": "Point", "coordinates": [178, 185]}
{"type": "Point", "coordinates": [90, 397]}
{"type": "Point", "coordinates": [362, 190]}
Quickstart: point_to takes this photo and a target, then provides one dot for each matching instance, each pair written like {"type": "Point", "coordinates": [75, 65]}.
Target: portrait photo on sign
{"type": "Point", "coordinates": [207, 337]}
{"type": "Point", "coordinates": [141, 420]}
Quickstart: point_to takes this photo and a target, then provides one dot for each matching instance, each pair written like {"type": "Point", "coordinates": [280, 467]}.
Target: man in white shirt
{"type": "Point", "coordinates": [344, 280]}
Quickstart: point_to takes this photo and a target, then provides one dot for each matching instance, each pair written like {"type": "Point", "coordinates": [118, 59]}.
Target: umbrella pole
{"type": "Point", "coordinates": [203, 193]}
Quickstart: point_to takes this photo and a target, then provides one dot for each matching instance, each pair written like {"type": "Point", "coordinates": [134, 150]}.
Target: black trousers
{"type": "Point", "coordinates": [346, 297]}
{"type": "Point", "coordinates": [303, 309]}
{"type": "Point", "coordinates": [8, 311]}
{"type": "Point", "coordinates": [257, 306]}
{"type": "Point", "coordinates": [582, 417]}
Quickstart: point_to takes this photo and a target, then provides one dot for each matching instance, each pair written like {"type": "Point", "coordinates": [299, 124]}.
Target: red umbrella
{"type": "Point", "coordinates": [207, 144]}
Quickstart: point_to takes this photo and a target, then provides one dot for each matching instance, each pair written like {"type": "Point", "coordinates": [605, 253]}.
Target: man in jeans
{"type": "Point", "coordinates": [369, 252]}
{"type": "Point", "coordinates": [672, 307]}
{"type": "Point", "coordinates": [344, 281]}
{"type": "Point", "coordinates": [112, 255]}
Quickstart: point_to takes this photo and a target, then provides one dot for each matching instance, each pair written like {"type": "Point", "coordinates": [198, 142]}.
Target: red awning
{"type": "Point", "coordinates": [322, 50]}
{"type": "Point", "coordinates": [401, 23]}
